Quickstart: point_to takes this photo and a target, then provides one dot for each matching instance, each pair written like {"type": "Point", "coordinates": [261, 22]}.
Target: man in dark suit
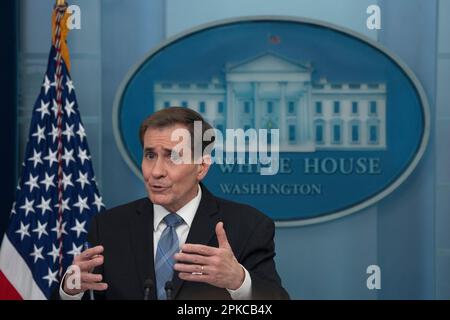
{"type": "Point", "coordinates": [175, 240]}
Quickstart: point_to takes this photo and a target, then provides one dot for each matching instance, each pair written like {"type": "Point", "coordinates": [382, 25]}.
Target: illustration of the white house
{"type": "Point", "coordinates": [270, 92]}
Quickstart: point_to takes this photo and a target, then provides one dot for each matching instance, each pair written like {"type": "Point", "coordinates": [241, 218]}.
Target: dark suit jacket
{"type": "Point", "coordinates": [126, 232]}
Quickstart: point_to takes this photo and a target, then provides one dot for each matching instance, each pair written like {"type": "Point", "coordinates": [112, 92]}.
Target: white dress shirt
{"type": "Point", "coordinates": [187, 213]}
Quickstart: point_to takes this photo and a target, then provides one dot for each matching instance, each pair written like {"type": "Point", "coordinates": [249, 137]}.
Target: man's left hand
{"type": "Point", "coordinates": [216, 266]}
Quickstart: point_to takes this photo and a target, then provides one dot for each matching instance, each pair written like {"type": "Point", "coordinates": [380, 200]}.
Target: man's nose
{"type": "Point", "coordinates": [159, 169]}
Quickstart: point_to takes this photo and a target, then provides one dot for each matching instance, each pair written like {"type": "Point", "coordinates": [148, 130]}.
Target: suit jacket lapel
{"type": "Point", "coordinates": [202, 228]}
{"type": "Point", "coordinates": [142, 242]}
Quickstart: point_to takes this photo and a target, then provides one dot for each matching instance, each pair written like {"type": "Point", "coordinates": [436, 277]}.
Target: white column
{"type": "Point", "coordinates": [230, 107]}
{"type": "Point", "coordinates": [308, 115]}
{"type": "Point", "coordinates": [257, 107]}
{"type": "Point", "coordinates": [283, 119]}
{"type": "Point", "coordinates": [301, 126]}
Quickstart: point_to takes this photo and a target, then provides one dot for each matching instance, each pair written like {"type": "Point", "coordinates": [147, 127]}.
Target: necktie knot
{"type": "Point", "coordinates": [173, 220]}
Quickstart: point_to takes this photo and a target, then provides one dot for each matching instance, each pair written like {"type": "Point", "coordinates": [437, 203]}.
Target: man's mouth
{"type": "Point", "coordinates": [158, 188]}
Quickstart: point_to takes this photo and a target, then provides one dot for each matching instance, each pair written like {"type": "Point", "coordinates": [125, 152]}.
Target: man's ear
{"type": "Point", "coordinates": [203, 167]}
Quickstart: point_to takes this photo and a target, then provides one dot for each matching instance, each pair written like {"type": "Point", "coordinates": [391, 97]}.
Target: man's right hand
{"type": "Point", "coordinates": [86, 262]}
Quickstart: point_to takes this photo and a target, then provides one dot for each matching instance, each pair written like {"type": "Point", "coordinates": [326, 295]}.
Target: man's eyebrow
{"type": "Point", "coordinates": [151, 149]}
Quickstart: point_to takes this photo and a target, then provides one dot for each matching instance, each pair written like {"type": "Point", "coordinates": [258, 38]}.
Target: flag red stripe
{"type": "Point", "coordinates": [7, 291]}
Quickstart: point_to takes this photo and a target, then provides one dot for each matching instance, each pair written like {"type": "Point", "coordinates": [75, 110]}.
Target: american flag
{"type": "Point", "coordinates": [57, 193]}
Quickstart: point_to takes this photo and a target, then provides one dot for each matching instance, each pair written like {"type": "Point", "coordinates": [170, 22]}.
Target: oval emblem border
{"type": "Point", "coordinates": [301, 222]}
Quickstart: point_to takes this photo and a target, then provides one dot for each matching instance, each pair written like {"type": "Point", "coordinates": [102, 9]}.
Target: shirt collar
{"type": "Point", "coordinates": [187, 212]}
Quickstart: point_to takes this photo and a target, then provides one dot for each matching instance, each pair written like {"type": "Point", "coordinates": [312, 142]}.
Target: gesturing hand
{"type": "Point", "coordinates": [86, 262]}
{"type": "Point", "coordinates": [216, 266]}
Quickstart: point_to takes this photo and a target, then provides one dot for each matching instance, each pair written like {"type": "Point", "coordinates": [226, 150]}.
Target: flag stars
{"type": "Point", "coordinates": [39, 133]}
{"type": "Point", "coordinates": [28, 207]}
{"type": "Point", "coordinates": [79, 227]}
{"type": "Point", "coordinates": [64, 204]}
{"type": "Point", "coordinates": [82, 204]}
{"type": "Point", "coordinates": [69, 85]}
{"type": "Point", "coordinates": [76, 251]}
{"type": "Point", "coordinates": [36, 158]}
{"type": "Point", "coordinates": [41, 229]}
{"type": "Point", "coordinates": [68, 156]}
{"type": "Point", "coordinates": [54, 253]}
{"type": "Point", "coordinates": [48, 181]}
{"type": "Point", "coordinates": [51, 277]}
{"type": "Point", "coordinates": [98, 202]}
{"type": "Point", "coordinates": [69, 108]}
{"type": "Point", "coordinates": [60, 230]}
{"type": "Point", "coordinates": [83, 179]}
{"type": "Point", "coordinates": [23, 230]}
{"type": "Point", "coordinates": [44, 206]}
{"type": "Point", "coordinates": [52, 215]}
{"type": "Point", "coordinates": [43, 109]}
{"type": "Point", "coordinates": [13, 210]}
{"type": "Point", "coordinates": [55, 108]}
{"type": "Point", "coordinates": [69, 132]}
{"type": "Point", "coordinates": [67, 181]}
{"type": "Point", "coordinates": [46, 84]}
{"type": "Point", "coordinates": [53, 84]}
{"type": "Point", "coordinates": [81, 132]}
{"type": "Point", "coordinates": [82, 155]}
{"type": "Point", "coordinates": [54, 133]}
{"type": "Point", "coordinates": [32, 182]}
{"type": "Point", "coordinates": [37, 253]}
{"type": "Point", "coordinates": [51, 157]}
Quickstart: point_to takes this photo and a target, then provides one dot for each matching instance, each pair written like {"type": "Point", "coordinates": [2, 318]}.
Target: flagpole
{"type": "Point", "coordinates": [60, 8]}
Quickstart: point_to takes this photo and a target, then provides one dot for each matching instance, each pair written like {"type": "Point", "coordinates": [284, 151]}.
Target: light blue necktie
{"type": "Point", "coordinates": [168, 245]}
